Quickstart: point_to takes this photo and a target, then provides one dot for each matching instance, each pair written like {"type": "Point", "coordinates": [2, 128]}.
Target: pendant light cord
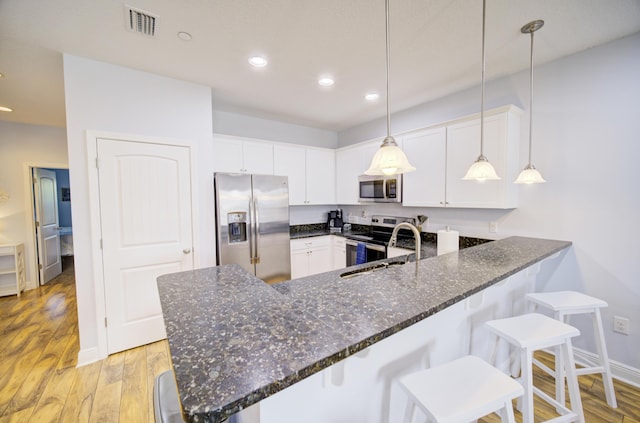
{"type": "Point", "coordinates": [531, 99]}
{"type": "Point", "coordinates": [484, 7]}
{"type": "Point", "coordinates": [386, 9]}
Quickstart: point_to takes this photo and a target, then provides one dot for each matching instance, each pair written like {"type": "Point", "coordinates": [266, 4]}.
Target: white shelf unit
{"type": "Point", "coordinates": [13, 279]}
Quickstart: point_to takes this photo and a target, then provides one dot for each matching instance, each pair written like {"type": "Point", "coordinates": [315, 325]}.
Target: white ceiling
{"type": "Point", "coordinates": [435, 49]}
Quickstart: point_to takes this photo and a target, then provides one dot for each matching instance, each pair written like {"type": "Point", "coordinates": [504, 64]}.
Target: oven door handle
{"type": "Point", "coordinates": [375, 247]}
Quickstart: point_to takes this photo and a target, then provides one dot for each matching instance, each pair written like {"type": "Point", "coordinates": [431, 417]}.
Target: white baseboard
{"type": "Point", "coordinates": [619, 371]}
{"type": "Point", "coordinates": [88, 356]}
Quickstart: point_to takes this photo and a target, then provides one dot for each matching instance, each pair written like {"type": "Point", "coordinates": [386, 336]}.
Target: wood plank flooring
{"type": "Point", "coordinates": [40, 383]}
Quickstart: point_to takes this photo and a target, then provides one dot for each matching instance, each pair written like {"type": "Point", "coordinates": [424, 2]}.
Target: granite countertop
{"type": "Point", "coordinates": [235, 340]}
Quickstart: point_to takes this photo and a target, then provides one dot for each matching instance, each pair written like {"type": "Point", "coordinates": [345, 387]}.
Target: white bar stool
{"type": "Point", "coordinates": [564, 304]}
{"type": "Point", "coordinates": [460, 391]}
{"type": "Point", "coordinates": [532, 332]}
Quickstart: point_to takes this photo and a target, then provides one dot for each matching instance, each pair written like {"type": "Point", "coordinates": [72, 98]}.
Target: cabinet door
{"type": "Point", "coordinates": [227, 155]}
{"type": "Point", "coordinates": [299, 263]}
{"type": "Point", "coordinates": [339, 252]}
{"type": "Point", "coordinates": [320, 260]}
{"type": "Point", "coordinates": [463, 148]}
{"type": "Point", "coordinates": [321, 176]}
{"type": "Point", "coordinates": [258, 157]}
{"type": "Point", "coordinates": [290, 161]}
{"type": "Point", "coordinates": [352, 162]}
{"type": "Point", "coordinates": [425, 187]}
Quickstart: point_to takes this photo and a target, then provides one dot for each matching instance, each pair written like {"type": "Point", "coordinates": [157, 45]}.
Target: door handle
{"type": "Point", "coordinates": [186, 251]}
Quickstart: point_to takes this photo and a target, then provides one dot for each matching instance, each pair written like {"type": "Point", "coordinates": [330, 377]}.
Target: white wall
{"type": "Point", "coordinates": [104, 97]}
{"type": "Point", "coordinates": [586, 144]}
{"type": "Point", "coordinates": [21, 146]}
{"type": "Point", "coordinates": [252, 127]}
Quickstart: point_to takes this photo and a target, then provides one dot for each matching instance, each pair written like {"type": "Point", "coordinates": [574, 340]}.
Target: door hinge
{"type": "Point", "coordinates": [105, 322]}
{"type": "Point", "coordinates": [101, 243]}
{"type": "Point", "coordinates": [40, 267]}
{"type": "Point", "coordinates": [37, 224]}
{"type": "Point", "coordinates": [97, 163]}
{"type": "Point", "coordinates": [35, 181]}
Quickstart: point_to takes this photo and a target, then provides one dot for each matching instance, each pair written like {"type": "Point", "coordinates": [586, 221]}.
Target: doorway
{"type": "Point", "coordinates": [52, 227]}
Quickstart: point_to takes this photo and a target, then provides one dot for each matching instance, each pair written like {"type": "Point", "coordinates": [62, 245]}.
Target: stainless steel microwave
{"type": "Point", "coordinates": [380, 189]}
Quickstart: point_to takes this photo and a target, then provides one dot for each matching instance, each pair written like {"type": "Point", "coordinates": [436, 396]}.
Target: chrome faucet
{"type": "Point", "coordinates": [416, 234]}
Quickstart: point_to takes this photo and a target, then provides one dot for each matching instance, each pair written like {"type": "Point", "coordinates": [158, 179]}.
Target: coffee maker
{"type": "Point", "coordinates": [334, 220]}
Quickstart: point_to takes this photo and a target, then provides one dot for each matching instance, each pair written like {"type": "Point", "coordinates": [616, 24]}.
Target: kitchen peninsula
{"type": "Point", "coordinates": [330, 346]}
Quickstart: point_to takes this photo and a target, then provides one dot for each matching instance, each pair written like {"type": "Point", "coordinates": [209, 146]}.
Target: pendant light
{"type": "Point", "coordinates": [389, 159]}
{"type": "Point", "coordinates": [530, 174]}
{"type": "Point", "coordinates": [481, 169]}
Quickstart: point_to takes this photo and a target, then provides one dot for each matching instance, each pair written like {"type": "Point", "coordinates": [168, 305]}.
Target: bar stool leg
{"type": "Point", "coordinates": [526, 366]}
{"type": "Point", "coordinates": [560, 375]}
{"type": "Point", "coordinates": [604, 360]}
{"type": "Point", "coordinates": [506, 413]}
{"type": "Point", "coordinates": [572, 380]}
{"type": "Point", "coordinates": [409, 411]}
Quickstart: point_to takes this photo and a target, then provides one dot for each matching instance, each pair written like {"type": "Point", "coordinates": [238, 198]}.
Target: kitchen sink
{"type": "Point", "coordinates": [373, 267]}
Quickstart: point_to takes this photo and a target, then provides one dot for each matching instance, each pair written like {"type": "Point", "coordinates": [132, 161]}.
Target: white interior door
{"type": "Point", "coordinates": [47, 226]}
{"type": "Point", "coordinates": [145, 211]}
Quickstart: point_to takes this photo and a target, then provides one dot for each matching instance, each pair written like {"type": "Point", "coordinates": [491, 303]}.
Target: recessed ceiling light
{"type": "Point", "coordinates": [184, 36]}
{"type": "Point", "coordinates": [326, 81]}
{"type": "Point", "coordinates": [372, 96]}
{"type": "Point", "coordinates": [258, 61]}
{"type": "Point", "coordinates": [5, 109]}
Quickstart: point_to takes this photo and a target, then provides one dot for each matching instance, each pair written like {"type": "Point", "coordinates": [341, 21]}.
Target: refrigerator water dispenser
{"type": "Point", "coordinates": [237, 227]}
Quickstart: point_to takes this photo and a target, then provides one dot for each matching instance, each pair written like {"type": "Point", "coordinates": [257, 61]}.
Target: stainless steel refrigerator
{"type": "Point", "coordinates": [252, 224]}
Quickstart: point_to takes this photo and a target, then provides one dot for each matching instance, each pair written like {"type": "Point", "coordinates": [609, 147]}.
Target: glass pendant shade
{"type": "Point", "coordinates": [481, 170]}
{"type": "Point", "coordinates": [389, 160]}
{"type": "Point", "coordinates": [529, 175]}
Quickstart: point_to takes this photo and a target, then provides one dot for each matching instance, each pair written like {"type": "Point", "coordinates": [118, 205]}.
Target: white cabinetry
{"type": "Point", "coordinates": [352, 162]}
{"type": "Point", "coordinates": [13, 279]}
{"type": "Point", "coordinates": [396, 252]}
{"type": "Point", "coordinates": [311, 172]}
{"type": "Point", "coordinates": [425, 187]}
{"type": "Point", "coordinates": [443, 155]}
{"type": "Point", "coordinates": [310, 256]}
{"type": "Point", "coordinates": [339, 252]}
{"type": "Point", "coordinates": [237, 155]}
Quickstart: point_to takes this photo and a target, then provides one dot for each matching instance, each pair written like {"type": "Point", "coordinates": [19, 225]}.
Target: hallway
{"type": "Point", "coordinates": [38, 378]}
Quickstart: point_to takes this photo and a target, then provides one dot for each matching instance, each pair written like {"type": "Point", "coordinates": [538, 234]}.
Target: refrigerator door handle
{"type": "Point", "coordinates": [256, 256]}
{"type": "Point", "coordinates": [251, 232]}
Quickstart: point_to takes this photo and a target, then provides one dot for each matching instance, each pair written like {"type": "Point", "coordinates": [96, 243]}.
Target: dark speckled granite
{"type": "Point", "coordinates": [235, 340]}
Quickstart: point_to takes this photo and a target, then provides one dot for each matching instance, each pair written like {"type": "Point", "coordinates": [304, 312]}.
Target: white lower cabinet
{"type": "Point", "coordinates": [443, 155]}
{"type": "Point", "coordinates": [396, 252]}
{"type": "Point", "coordinates": [339, 252]}
{"type": "Point", "coordinates": [310, 256]}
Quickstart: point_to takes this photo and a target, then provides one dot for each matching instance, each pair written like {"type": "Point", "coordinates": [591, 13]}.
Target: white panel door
{"type": "Point", "coordinates": [145, 211]}
{"type": "Point", "coordinates": [47, 228]}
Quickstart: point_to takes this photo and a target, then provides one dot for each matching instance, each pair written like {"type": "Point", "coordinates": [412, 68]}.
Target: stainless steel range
{"type": "Point", "coordinates": [372, 246]}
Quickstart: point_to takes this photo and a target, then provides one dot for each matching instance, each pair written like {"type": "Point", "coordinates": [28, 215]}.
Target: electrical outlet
{"type": "Point", "coordinates": [493, 227]}
{"type": "Point", "coordinates": [621, 325]}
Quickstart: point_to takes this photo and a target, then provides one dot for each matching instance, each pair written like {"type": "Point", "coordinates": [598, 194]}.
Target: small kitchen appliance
{"type": "Point", "coordinates": [380, 188]}
{"type": "Point", "coordinates": [334, 220]}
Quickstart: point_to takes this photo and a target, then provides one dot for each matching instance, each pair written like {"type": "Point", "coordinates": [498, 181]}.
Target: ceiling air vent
{"type": "Point", "coordinates": [140, 21]}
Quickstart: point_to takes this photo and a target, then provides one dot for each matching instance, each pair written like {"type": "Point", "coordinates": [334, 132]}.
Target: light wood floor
{"type": "Point", "coordinates": [40, 383]}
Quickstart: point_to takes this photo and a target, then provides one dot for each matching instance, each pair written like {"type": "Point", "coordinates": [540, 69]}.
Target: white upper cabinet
{"type": "Point", "coordinates": [237, 155]}
{"type": "Point", "coordinates": [427, 151]}
{"type": "Point", "coordinates": [352, 162]}
{"type": "Point", "coordinates": [443, 155]}
{"type": "Point", "coordinates": [311, 172]}
{"type": "Point", "coordinates": [501, 147]}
